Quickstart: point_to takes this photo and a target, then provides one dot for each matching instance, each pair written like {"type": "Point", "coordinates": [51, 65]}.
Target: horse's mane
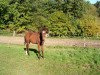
{"type": "Point", "coordinates": [43, 29]}
{"type": "Point", "coordinates": [41, 35]}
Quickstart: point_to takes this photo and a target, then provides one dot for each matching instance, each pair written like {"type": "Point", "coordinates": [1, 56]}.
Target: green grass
{"type": "Point", "coordinates": [58, 61]}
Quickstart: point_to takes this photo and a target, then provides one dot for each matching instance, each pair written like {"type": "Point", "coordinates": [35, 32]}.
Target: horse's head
{"type": "Point", "coordinates": [43, 33]}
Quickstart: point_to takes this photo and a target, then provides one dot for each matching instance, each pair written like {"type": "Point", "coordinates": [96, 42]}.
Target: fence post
{"type": "Point", "coordinates": [14, 33]}
{"type": "Point", "coordinates": [84, 42]}
{"type": "Point", "coordinates": [97, 35]}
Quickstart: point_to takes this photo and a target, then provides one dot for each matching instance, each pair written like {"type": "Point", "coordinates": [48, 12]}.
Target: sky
{"type": "Point", "coordinates": [92, 1]}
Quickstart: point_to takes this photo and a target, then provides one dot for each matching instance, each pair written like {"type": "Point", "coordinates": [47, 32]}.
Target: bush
{"type": "Point", "coordinates": [88, 25]}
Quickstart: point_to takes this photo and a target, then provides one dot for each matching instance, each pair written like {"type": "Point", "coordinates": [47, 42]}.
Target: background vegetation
{"type": "Point", "coordinates": [62, 17]}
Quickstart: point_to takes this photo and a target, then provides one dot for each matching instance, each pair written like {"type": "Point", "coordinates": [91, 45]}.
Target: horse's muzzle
{"type": "Point", "coordinates": [47, 35]}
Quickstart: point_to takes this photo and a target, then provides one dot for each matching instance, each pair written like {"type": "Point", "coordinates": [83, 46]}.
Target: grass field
{"type": "Point", "coordinates": [59, 60]}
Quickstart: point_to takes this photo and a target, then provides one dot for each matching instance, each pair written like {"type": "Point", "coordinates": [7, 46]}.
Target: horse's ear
{"type": "Point", "coordinates": [47, 30]}
{"type": "Point", "coordinates": [43, 28]}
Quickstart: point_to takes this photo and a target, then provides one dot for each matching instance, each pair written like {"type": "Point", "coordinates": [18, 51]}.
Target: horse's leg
{"type": "Point", "coordinates": [42, 51]}
{"type": "Point", "coordinates": [27, 48]}
{"type": "Point", "coordinates": [39, 51]}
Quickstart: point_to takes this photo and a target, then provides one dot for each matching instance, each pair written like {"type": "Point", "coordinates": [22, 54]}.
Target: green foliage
{"type": "Point", "coordinates": [97, 5]}
{"type": "Point", "coordinates": [89, 26]}
{"type": "Point", "coordinates": [59, 24]}
{"type": "Point", "coordinates": [74, 7]}
{"type": "Point", "coordinates": [62, 17]}
{"type": "Point", "coordinates": [98, 10]}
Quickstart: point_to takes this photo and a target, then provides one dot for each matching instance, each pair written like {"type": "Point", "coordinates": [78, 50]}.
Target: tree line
{"type": "Point", "coordinates": [62, 17]}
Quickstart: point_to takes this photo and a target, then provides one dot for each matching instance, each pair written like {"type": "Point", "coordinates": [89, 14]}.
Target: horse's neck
{"type": "Point", "coordinates": [41, 39]}
{"type": "Point", "coordinates": [41, 36]}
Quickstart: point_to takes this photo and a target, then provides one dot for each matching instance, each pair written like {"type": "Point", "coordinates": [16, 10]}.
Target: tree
{"type": "Point", "coordinates": [97, 5]}
{"type": "Point", "coordinates": [98, 10]}
{"type": "Point", "coordinates": [74, 7]}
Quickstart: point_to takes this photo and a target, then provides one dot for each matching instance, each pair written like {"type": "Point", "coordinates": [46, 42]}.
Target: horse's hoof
{"type": "Point", "coordinates": [39, 58]}
{"type": "Point", "coordinates": [43, 57]}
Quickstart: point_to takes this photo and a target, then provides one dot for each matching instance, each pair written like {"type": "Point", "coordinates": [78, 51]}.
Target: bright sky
{"type": "Point", "coordinates": [92, 1]}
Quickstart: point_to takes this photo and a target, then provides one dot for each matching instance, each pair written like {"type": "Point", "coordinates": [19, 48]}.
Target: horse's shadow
{"type": "Point", "coordinates": [33, 50]}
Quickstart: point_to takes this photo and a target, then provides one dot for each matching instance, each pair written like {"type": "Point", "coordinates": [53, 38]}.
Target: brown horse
{"type": "Point", "coordinates": [36, 38]}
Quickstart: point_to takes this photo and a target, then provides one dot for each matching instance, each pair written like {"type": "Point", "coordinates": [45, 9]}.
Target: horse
{"type": "Point", "coordinates": [36, 38]}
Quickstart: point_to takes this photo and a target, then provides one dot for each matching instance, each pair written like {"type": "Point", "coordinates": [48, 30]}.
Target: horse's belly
{"type": "Point", "coordinates": [34, 42]}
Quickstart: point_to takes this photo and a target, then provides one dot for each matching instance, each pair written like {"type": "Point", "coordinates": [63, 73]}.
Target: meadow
{"type": "Point", "coordinates": [59, 60]}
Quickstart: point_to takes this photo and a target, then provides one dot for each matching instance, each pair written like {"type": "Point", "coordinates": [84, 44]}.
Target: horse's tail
{"type": "Point", "coordinates": [24, 40]}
